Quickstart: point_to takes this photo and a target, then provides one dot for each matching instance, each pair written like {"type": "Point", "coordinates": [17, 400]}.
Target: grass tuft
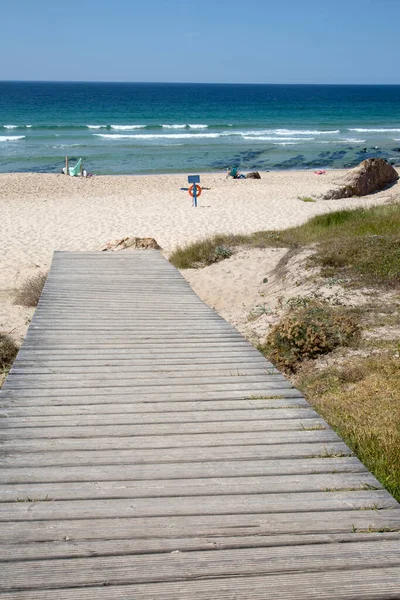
{"type": "Point", "coordinates": [30, 291]}
{"type": "Point", "coordinates": [8, 352]}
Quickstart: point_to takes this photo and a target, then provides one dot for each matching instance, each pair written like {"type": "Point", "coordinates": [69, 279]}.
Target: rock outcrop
{"type": "Point", "coordinates": [370, 176]}
{"type": "Point", "coordinates": [131, 243]}
{"type": "Point", "coordinates": [253, 175]}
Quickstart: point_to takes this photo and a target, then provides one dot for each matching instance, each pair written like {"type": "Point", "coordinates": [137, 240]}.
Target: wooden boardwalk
{"type": "Point", "coordinates": [148, 451]}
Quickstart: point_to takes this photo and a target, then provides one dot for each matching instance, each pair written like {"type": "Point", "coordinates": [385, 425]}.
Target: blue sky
{"type": "Point", "coordinates": [218, 41]}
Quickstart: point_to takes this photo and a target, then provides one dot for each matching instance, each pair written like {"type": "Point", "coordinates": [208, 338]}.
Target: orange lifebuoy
{"type": "Point", "coordinates": [198, 190]}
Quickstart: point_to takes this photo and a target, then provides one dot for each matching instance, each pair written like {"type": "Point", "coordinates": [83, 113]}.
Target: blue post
{"type": "Point", "coordinates": [194, 179]}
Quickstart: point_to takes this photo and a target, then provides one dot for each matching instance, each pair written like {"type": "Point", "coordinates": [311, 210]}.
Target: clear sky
{"type": "Point", "coordinates": [216, 41]}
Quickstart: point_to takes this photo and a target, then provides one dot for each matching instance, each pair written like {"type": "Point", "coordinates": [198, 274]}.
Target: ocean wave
{"type": "Point", "coordinates": [360, 130]}
{"type": "Point", "coordinates": [127, 127]}
{"type": "Point", "coordinates": [183, 126]}
{"type": "Point", "coordinates": [351, 141]}
{"type": "Point", "coordinates": [96, 126]}
{"type": "Point", "coordinates": [11, 138]}
{"type": "Point", "coordinates": [276, 139]}
{"type": "Point", "coordinates": [173, 126]}
{"type": "Point", "coordinates": [10, 126]}
{"type": "Point", "coordinates": [304, 132]}
{"type": "Point", "coordinates": [153, 136]}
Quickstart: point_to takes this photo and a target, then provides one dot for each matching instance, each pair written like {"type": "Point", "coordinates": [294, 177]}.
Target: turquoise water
{"type": "Point", "coordinates": [132, 128]}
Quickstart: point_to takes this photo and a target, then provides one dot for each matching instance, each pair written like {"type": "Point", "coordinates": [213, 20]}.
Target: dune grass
{"type": "Point", "coordinates": [361, 401]}
{"type": "Point", "coordinates": [361, 244]}
{"type": "Point", "coordinates": [8, 352]}
{"type": "Point", "coordinates": [30, 291]}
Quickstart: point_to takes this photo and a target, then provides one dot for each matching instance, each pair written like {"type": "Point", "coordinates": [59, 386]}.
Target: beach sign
{"type": "Point", "coordinates": [194, 189]}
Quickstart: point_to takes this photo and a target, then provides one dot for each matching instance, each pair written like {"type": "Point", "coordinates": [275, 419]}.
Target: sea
{"type": "Point", "coordinates": [149, 128]}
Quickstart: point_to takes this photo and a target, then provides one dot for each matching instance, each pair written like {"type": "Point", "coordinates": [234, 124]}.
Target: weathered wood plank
{"type": "Point", "coordinates": [150, 439]}
{"type": "Point", "coordinates": [67, 548]}
{"type": "Point", "coordinates": [125, 488]}
{"type": "Point", "coordinates": [190, 566]}
{"type": "Point", "coordinates": [203, 526]}
{"type": "Point", "coordinates": [349, 584]}
{"type": "Point", "coordinates": [185, 470]}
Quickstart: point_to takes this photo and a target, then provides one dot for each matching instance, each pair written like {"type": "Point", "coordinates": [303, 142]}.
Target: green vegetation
{"type": "Point", "coordinates": [307, 199]}
{"type": "Point", "coordinates": [360, 244]}
{"type": "Point", "coordinates": [8, 352]}
{"type": "Point", "coordinates": [361, 401]}
{"type": "Point", "coordinates": [30, 291]}
{"type": "Point", "coordinates": [308, 332]}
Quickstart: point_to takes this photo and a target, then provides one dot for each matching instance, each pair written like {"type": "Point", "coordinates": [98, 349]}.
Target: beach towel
{"type": "Point", "coordinates": [76, 170]}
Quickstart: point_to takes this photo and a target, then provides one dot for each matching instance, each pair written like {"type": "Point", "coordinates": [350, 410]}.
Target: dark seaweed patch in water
{"type": "Point", "coordinates": [291, 163]}
{"type": "Point", "coordinates": [338, 155]}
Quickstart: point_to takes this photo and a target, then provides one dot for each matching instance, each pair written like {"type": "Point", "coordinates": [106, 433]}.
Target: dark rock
{"type": "Point", "coordinates": [370, 176]}
{"type": "Point", "coordinates": [253, 175]}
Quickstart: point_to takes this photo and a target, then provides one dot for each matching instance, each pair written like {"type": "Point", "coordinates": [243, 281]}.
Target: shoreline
{"type": "Point", "coordinates": [186, 173]}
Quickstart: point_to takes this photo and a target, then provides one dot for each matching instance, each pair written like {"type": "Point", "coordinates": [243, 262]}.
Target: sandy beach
{"type": "Point", "coordinates": [41, 213]}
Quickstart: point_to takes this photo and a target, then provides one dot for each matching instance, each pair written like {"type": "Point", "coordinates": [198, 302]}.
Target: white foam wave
{"type": "Point", "coordinates": [10, 126]}
{"type": "Point", "coordinates": [195, 126]}
{"type": "Point", "coordinates": [11, 138]}
{"type": "Point", "coordinates": [154, 136]}
{"type": "Point", "coordinates": [127, 127]}
{"type": "Point", "coordinates": [28, 126]}
{"type": "Point", "coordinates": [360, 130]}
{"type": "Point", "coordinates": [285, 132]}
{"type": "Point", "coordinates": [266, 138]}
{"type": "Point", "coordinates": [96, 126]}
{"type": "Point", "coordinates": [285, 143]}
{"type": "Point", "coordinates": [352, 141]}
{"type": "Point", "coordinates": [173, 126]}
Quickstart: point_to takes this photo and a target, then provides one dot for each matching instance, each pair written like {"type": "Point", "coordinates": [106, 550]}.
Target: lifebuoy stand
{"type": "Point", "coordinates": [195, 189]}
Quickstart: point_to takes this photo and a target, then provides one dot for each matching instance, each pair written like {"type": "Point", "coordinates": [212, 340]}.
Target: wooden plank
{"type": "Point", "coordinates": [150, 407]}
{"type": "Point", "coordinates": [348, 584]}
{"type": "Point", "coordinates": [185, 470]}
{"type": "Point", "coordinates": [263, 413]}
{"type": "Point", "coordinates": [134, 488]}
{"type": "Point", "coordinates": [365, 500]}
{"type": "Point", "coordinates": [190, 566]}
{"type": "Point", "coordinates": [164, 455]}
{"type": "Point", "coordinates": [150, 439]}
{"type": "Point", "coordinates": [67, 548]}
{"type": "Point", "coordinates": [202, 526]}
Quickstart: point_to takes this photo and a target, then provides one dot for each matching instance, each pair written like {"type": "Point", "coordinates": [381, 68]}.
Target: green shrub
{"type": "Point", "coordinates": [30, 291]}
{"type": "Point", "coordinates": [202, 253]}
{"type": "Point", "coordinates": [308, 332]}
{"type": "Point", "coordinates": [8, 351]}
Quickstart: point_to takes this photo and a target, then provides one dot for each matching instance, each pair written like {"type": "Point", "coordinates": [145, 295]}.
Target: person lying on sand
{"type": "Point", "coordinates": [233, 172]}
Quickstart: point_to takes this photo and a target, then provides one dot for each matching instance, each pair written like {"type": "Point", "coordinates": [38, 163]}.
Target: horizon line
{"type": "Point", "coordinates": [191, 83]}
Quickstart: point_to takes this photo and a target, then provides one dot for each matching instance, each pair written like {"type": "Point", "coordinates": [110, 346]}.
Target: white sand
{"type": "Point", "coordinates": [42, 213]}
